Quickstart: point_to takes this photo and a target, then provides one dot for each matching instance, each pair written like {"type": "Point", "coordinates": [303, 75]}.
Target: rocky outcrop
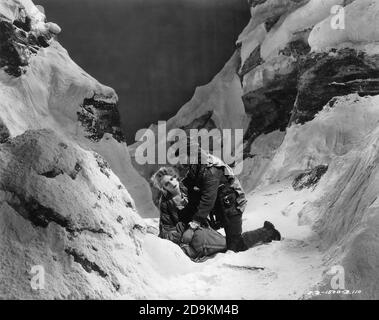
{"type": "Point", "coordinates": [99, 116]}
{"type": "Point", "coordinates": [4, 132]}
{"type": "Point", "coordinates": [310, 178]}
{"type": "Point", "coordinates": [332, 74]}
{"type": "Point", "coordinates": [20, 40]}
{"type": "Point", "coordinates": [57, 204]}
{"type": "Point", "coordinates": [288, 83]}
{"type": "Point", "coordinates": [251, 62]}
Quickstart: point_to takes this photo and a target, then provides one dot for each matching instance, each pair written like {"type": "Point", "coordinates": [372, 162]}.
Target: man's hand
{"type": "Point", "coordinates": [187, 236]}
{"type": "Point", "coordinates": [194, 225]}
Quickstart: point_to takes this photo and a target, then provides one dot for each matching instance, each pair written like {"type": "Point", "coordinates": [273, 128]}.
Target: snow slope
{"type": "Point", "coordinates": [291, 267]}
{"type": "Point", "coordinates": [62, 208]}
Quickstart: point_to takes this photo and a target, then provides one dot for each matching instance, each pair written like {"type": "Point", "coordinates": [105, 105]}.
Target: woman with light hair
{"type": "Point", "coordinates": [176, 215]}
{"type": "Point", "coordinates": [172, 202]}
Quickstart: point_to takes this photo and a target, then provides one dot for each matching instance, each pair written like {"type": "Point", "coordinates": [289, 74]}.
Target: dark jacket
{"type": "Point", "coordinates": [172, 220]}
{"type": "Point", "coordinates": [203, 182]}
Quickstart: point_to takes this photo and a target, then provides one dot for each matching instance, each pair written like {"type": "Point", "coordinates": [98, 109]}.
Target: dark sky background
{"type": "Point", "coordinates": [154, 53]}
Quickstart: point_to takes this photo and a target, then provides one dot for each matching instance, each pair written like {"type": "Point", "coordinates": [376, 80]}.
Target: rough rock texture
{"type": "Point", "coordinates": [59, 210]}
{"type": "Point", "coordinates": [335, 73]}
{"type": "Point", "coordinates": [19, 41]}
{"type": "Point", "coordinates": [4, 133]}
{"type": "Point", "coordinates": [56, 93]}
{"type": "Point", "coordinates": [99, 117]}
{"type": "Point", "coordinates": [310, 178]}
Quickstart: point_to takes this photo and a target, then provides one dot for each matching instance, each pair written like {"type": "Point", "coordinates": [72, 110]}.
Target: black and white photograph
{"type": "Point", "coordinates": [203, 151]}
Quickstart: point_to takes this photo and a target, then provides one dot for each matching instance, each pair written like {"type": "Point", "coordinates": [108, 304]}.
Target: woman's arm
{"type": "Point", "coordinates": [169, 229]}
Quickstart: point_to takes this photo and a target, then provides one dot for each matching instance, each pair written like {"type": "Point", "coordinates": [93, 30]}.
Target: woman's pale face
{"type": "Point", "coordinates": [170, 184]}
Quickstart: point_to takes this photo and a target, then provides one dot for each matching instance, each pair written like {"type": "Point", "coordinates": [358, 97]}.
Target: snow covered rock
{"type": "Point", "coordinates": [22, 33]}
{"type": "Point", "coordinates": [309, 178]}
{"type": "Point", "coordinates": [63, 209]}
{"type": "Point", "coordinates": [360, 25]}
{"type": "Point", "coordinates": [336, 73]}
{"type": "Point", "coordinates": [46, 89]}
{"type": "Point", "coordinates": [286, 78]}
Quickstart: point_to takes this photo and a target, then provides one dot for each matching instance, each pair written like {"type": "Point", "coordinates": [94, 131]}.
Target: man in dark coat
{"type": "Point", "coordinates": [215, 193]}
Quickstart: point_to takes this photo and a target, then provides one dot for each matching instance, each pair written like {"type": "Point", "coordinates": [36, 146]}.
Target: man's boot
{"type": "Point", "coordinates": [262, 235]}
{"type": "Point", "coordinates": [275, 234]}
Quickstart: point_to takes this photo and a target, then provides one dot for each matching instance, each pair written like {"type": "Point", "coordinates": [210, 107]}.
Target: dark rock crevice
{"type": "Point", "coordinates": [103, 165]}
{"type": "Point", "coordinates": [41, 216]}
{"type": "Point", "coordinates": [90, 266]}
{"type": "Point", "coordinates": [337, 73]}
{"type": "Point", "coordinates": [100, 231]}
{"type": "Point", "coordinates": [270, 107]}
{"type": "Point", "coordinates": [310, 178]}
{"type": "Point", "coordinates": [56, 171]}
{"type": "Point", "coordinates": [74, 173]}
{"type": "Point", "coordinates": [271, 21]}
{"type": "Point", "coordinates": [4, 133]}
{"type": "Point", "coordinates": [38, 214]}
{"type": "Point", "coordinates": [253, 61]}
{"type": "Point", "coordinates": [254, 3]}
{"type": "Point", "coordinates": [98, 116]}
{"type": "Point", "coordinates": [316, 79]}
{"type": "Point", "coordinates": [203, 122]}
{"type": "Point", "coordinates": [52, 173]}
{"type": "Point", "coordinates": [87, 265]}
{"type": "Point", "coordinates": [18, 43]}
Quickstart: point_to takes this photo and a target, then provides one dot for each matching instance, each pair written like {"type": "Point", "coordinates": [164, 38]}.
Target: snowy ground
{"type": "Point", "coordinates": [291, 267]}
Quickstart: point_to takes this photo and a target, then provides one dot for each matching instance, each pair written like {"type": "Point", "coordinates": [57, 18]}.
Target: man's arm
{"type": "Point", "coordinates": [208, 193]}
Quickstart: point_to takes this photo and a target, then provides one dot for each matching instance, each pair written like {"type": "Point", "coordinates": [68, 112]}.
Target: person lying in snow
{"type": "Point", "coordinates": [175, 218]}
{"type": "Point", "coordinates": [179, 204]}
